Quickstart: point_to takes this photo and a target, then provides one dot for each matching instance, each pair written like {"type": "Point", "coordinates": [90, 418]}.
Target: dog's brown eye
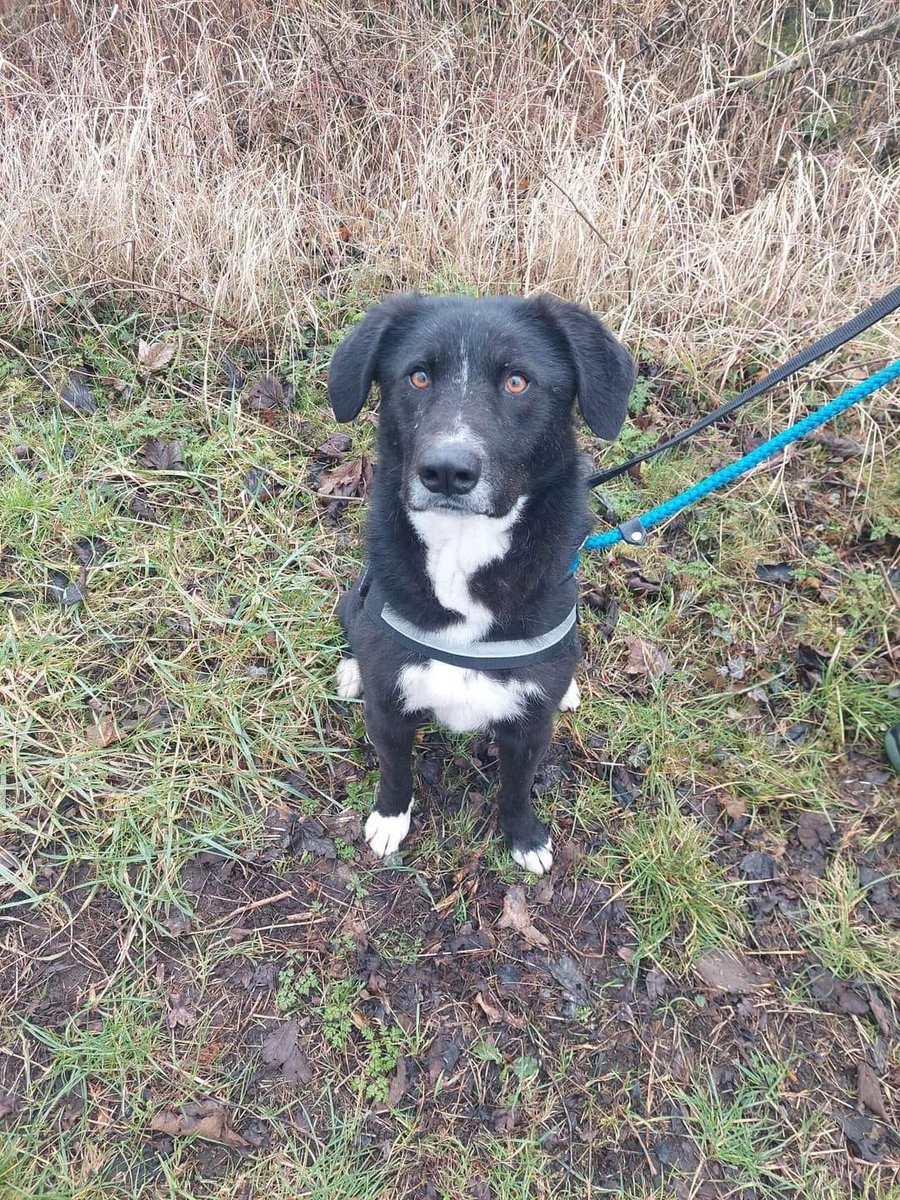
{"type": "Point", "coordinates": [516, 384]}
{"type": "Point", "coordinates": [420, 380]}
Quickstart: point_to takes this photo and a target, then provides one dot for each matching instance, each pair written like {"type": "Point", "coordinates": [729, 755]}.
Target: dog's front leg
{"type": "Point", "coordinates": [392, 734]}
{"type": "Point", "coordinates": [522, 745]}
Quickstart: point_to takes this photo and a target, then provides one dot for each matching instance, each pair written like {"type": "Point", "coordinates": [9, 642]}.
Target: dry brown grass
{"type": "Point", "coordinates": [216, 150]}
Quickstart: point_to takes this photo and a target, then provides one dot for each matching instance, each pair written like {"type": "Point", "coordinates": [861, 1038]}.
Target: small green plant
{"type": "Point", "coordinates": [384, 1047]}
{"type": "Point", "coordinates": [398, 947]}
{"type": "Point", "coordinates": [336, 1010]}
{"type": "Point", "coordinates": [356, 886]}
{"type": "Point", "coordinates": [344, 850]}
{"type": "Point", "coordinates": [295, 986]}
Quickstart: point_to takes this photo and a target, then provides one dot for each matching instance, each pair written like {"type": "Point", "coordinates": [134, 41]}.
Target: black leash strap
{"type": "Point", "coordinates": [831, 341]}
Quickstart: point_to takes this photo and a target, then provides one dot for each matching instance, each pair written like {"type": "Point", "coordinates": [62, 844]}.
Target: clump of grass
{"type": "Point", "coordinates": [743, 1132]}
{"type": "Point", "coordinates": [673, 891]}
{"type": "Point", "coordinates": [849, 940]}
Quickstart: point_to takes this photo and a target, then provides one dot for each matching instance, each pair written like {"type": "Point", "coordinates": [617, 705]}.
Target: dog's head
{"type": "Point", "coordinates": [477, 395]}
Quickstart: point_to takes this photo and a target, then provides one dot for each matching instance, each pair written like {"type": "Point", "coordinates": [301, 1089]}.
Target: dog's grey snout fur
{"type": "Point", "coordinates": [450, 468]}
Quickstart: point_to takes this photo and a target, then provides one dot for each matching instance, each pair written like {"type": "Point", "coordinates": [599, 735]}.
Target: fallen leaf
{"type": "Point", "coordinates": [731, 971]}
{"type": "Point", "coordinates": [259, 485]}
{"type": "Point", "coordinates": [63, 591]}
{"type": "Point", "coordinates": [76, 395]}
{"type": "Point", "coordinates": [775, 573]}
{"type": "Point", "coordinates": [90, 550]}
{"type": "Point", "coordinates": [491, 1011]}
{"type": "Point", "coordinates": [280, 1049]}
{"type": "Point", "coordinates": [158, 455]}
{"type": "Point", "coordinates": [232, 373]}
{"type": "Point", "coordinates": [642, 586]}
{"type": "Point", "coordinates": [569, 976]}
{"type": "Point", "coordinates": [869, 1088]}
{"type": "Point", "coordinates": [103, 733]}
{"type": "Point", "coordinates": [656, 984]}
{"type": "Point", "coordinates": [811, 667]}
{"type": "Point", "coordinates": [645, 659]}
{"type": "Point", "coordinates": [155, 355]}
{"type": "Point", "coordinates": [515, 916]}
{"type": "Point", "coordinates": [734, 806]}
{"type": "Point", "coordinates": [310, 835]}
{"type": "Point", "coordinates": [835, 995]}
{"type": "Point", "coordinates": [266, 394]}
{"type": "Point", "coordinates": [335, 447]}
{"type": "Point", "coordinates": [858, 1131]}
{"type": "Point", "coordinates": [397, 1086]}
{"type": "Point", "coordinates": [815, 831]}
{"type": "Point", "coordinates": [442, 1057]}
{"type": "Point", "coordinates": [178, 1013]}
{"type": "Point", "coordinates": [759, 867]}
{"type": "Point", "coordinates": [144, 511]}
{"type": "Point", "coordinates": [207, 1120]}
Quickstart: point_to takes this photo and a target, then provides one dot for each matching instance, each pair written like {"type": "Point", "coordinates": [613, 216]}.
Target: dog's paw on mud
{"type": "Point", "coordinates": [348, 679]}
{"type": "Point", "coordinates": [571, 699]}
{"type": "Point", "coordinates": [385, 834]}
{"type": "Point", "coordinates": [537, 859]}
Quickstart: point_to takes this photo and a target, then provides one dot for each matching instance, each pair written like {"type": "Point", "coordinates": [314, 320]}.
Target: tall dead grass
{"type": "Point", "coordinates": [248, 157]}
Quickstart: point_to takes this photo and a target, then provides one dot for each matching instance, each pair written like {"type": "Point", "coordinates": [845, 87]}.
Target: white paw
{"type": "Point", "coordinates": [349, 680]}
{"type": "Point", "coordinates": [571, 699]}
{"type": "Point", "coordinates": [384, 834]}
{"type": "Point", "coordinates": [537, 861]}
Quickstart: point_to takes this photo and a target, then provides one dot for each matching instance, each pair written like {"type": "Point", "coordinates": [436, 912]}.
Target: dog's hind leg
{"type": "Point", "coordinates": [522, 745]}
{"type": "Point", "coordinates": [392, 736]}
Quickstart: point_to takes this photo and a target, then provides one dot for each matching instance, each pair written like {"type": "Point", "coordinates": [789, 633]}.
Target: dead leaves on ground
{"type": "Point", "coordinates": [158, 455]}
{"type": "Point", "coordinates": [155, 356]}
{"type": "Point", "coordinates": [515, 916]}
{"type": "Point", "coordinates": [731, 971]}
{"type": "Point", "coordinates": [205, 1119]}
{"type": "Point", "coordinates": [280, 1050]}
{"type": "Point", "coordinates": [76, 395]}
{"type": "Point", "coordinates": [646, 660]}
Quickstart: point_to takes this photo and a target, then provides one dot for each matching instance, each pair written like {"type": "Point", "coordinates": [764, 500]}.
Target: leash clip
{"type": "Point", "coordinates": [633, 532]}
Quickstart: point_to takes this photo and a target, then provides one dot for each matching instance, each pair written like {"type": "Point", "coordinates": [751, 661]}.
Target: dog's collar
{"type": "Point", "coordinates": [478, 656]}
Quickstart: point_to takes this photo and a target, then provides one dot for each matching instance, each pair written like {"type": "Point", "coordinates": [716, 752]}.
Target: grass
{"type": "Point", "coordinates": [183, 711]}
{"type": "Point", "coordinates": [850, 941]}
{"type": "Point", "coordinates": [673, 890]}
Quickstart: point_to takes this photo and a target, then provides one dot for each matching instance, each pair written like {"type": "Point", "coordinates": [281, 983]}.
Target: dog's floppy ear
{"type": "Point", "coordinates": [355, 362]}
{"type": "Point", "coordinates": [604, 370]}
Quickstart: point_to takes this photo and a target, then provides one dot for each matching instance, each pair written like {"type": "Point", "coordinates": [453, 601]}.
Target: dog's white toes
{"type": "Point", "coordinates": [538, 861]}
{"type": "Point", "coordinates": [571, 699]}
{"type": "Point", "coordinates": [384, 834]}
{"type": "Point", "coordinates": [349, 680]}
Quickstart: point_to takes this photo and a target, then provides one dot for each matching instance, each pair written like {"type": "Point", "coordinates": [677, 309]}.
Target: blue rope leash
{"type": "Point", "coordinates": [635, 531]}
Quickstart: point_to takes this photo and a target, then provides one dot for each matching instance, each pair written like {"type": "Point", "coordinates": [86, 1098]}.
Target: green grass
{"type": "Point", "coordinates": [673, 892]}
{"type": "Point", "coordinates": [849, 939]}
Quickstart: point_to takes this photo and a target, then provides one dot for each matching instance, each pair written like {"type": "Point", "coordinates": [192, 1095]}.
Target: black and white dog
{"type": "Point", "coordinates": [466, 611]}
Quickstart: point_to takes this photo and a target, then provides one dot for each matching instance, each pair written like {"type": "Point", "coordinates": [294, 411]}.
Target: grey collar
{"type": "Point", "coordinates": [479, 655]}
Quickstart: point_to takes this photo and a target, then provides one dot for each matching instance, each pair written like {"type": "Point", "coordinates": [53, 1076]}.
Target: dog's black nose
{"type": "Point", "coordinates": [450, 470]}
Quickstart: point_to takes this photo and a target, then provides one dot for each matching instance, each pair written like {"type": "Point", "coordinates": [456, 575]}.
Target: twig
{"type": "Point", "coordinates": [245, 908]}
{"type": "Point", "coordinates": [793, 63]}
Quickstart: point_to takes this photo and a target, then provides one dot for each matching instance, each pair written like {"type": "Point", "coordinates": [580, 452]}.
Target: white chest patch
{"type": "Point", "coordinates": [456, 546]}
{"type": "Point", "coordinates": [462, 699]}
